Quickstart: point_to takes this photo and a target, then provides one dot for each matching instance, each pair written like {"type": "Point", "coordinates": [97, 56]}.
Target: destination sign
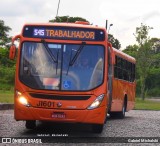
{"type": "Point", "coordinates": [64, 33]}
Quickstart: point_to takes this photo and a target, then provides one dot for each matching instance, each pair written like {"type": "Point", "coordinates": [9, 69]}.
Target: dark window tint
{"type": "Point", "coordinates": [124, 69]}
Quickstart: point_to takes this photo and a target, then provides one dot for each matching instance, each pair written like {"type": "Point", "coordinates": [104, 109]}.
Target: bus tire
{"type": "Point", "coordinates": [97, 128]}
{"type": "Point", "coordinates": [30, 124]}
{"type": "Point", "coordinates": [121, 114]}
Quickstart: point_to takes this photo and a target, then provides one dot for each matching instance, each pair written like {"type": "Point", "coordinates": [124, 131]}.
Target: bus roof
{"type": "Point", "coordinates": [65, 24]}
{"type": "Point", "coordinates": [124, 55]}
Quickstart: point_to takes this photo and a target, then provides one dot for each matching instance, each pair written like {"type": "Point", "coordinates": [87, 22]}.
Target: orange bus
{"type": "Point", "coordinates": [69, 72]}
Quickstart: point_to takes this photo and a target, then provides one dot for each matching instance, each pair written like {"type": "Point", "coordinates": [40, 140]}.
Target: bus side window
{"type": "Point", "coordinates": [116, 68]}
{"type": "Point", "coordinates": [125, 72]}
{"type": "Point", "coordinates": [120, 70]}
{"type": "Point", "coordinates": [130, 72]}
{"type": "Point", "coordinates": [133, 72]}
{"type": "Point", "coordinates": [123, 68]}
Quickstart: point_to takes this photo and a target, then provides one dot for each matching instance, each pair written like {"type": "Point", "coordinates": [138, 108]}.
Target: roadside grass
{"type": "Point", "coordinates": [6, 96]}
{"type": "Point", "coordinates": [147, 104]}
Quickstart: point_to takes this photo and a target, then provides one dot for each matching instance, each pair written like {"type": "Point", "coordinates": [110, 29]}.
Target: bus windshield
{"type": "Point", "coordinates": [48, 66]}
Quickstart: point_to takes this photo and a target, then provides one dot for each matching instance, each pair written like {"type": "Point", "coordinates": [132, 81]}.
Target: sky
{"type": "Point", "coordinates": [125, 15]}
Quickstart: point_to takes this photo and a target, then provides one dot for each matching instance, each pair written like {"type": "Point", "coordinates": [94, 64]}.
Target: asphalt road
{"type": "Point", "coordinates": [137, 123]}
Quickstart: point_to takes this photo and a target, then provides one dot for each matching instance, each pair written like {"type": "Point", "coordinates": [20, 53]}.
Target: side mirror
{"type": "Point", "coordinates": [12, 52]}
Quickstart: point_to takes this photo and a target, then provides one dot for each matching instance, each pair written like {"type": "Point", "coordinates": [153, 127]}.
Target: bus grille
{"type": "Point", "coordinates": [59, 97]}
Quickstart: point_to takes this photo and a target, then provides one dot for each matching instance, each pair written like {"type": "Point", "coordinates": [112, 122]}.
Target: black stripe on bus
{"type": "Point", "coordinates": [59, 97]}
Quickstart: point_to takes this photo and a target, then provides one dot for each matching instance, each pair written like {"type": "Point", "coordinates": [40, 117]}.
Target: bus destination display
{"type": "Point", "coordinates": [63, 33]}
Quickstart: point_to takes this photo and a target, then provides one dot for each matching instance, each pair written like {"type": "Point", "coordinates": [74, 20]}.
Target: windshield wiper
{"type": "Point", "coordinates": [49, 51]}
{"type": "Point", "coordinates": [77, 54]}
{"type": "Point", "coordinates": [57, 61]}
{"type": "Point", "coordinates": [72, 61]}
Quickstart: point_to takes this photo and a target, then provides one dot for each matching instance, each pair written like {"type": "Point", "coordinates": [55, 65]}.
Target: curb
{"type": "Point", "coordinates": [6, 106]}
{"type": "Point", "coordinates": [144, 110]}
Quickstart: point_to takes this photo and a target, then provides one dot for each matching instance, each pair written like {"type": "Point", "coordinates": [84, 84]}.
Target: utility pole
{"type": "Point", "coordinates": [58, 8]}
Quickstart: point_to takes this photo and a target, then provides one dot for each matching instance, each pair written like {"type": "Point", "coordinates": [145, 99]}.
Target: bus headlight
{"type": "Point", "coordinates": [22, 99]}
{"type": "Point", "coordinates": [97, 102]}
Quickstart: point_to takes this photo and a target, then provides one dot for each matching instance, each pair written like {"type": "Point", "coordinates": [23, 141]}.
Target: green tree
{"type": "Point", "coordinates": [68, 19]}
{"type": "Point", "coordinates": [7, 67]}
{"type": "Point", "coordinates": [115, 43]}
{"type": "Point", "coordinates": [7, 70]}
{"type": "Point", "coordinates": [156, 44]}
{"type": "Point", "coordinates": [131, 50]}
{"type": "Point", "coordinates": [144, 55]}
{"type": "Point", "coordinates": [4, 58]}
{"type": "Point", "coordinates": [153, 82]}
{"type": "Point", "coordinates": [4, 39]}
{"type": "Point", "coordinates": [153, 78]}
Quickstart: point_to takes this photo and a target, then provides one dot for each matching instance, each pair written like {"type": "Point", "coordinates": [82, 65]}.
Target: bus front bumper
{"type": "Point", "coordinates": [94, 116]}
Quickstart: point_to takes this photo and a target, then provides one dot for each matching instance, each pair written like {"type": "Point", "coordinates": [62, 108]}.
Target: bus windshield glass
{"type": "Point", "coordinates": [39, 70]}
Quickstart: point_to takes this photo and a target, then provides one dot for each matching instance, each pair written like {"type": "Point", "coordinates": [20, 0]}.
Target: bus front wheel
{"type": "Point", "coordinates": [30, 124]}
{"type": "Point", "coordinates": [121, 114]}
{"type": "Point", "coordinates": [97, 128]}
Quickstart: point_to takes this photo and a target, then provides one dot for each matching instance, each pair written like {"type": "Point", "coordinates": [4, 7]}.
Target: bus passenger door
{"type": "Point", "coordinates": [110, 74]}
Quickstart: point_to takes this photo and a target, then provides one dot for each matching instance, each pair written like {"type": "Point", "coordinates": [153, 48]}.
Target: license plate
{"type": "Point", "coordinates": [58, 115]}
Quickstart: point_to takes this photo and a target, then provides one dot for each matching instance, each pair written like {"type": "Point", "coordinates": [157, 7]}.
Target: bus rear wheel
{"type": "Point", "coordinates": [97, 128]}
{"type": "Point", "coordinates": [30, 124]}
